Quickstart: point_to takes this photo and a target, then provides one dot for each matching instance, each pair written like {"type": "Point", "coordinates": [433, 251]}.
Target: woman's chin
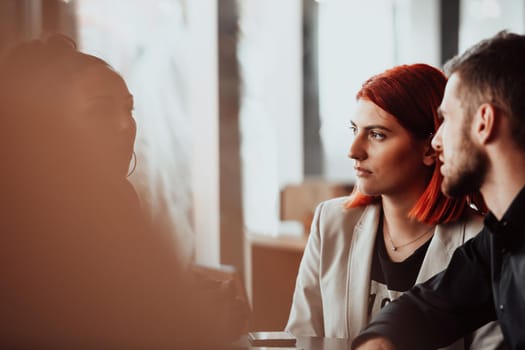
{"type": "Point", "coordinates": [368, 191]}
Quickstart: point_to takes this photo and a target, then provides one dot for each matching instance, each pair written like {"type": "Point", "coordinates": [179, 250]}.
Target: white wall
{"type": "Point", "coordinates": [356, 40]}
{"type": "Point", "coordinates": [418, 32]}
{"type": "Point", "coordinates": [203, 106]}
{"type": "Point", "coordinates": [270, 56]}
{"type": "Point", "coordinates": [480, 19]}
{"type": "Point", "coordinates": [148, 43]}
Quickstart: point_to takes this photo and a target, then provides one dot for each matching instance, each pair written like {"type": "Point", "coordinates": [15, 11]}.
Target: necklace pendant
{"type": "Point", "coordinates": [394, 249]}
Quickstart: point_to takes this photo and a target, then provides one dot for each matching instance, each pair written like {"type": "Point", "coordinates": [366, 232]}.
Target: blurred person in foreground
{"type": "Point", "coordinates": [396, 228]}
{"type": "Point", "coordinates": [80, 268]}
{"type": "Point", "coordinates": [481, 143]}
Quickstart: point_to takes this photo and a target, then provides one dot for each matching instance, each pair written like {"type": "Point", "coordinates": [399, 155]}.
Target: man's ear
{"type": "Point", "coordinates": [430, 155]}
{"type": "Point", "coordinates": [484, 123]}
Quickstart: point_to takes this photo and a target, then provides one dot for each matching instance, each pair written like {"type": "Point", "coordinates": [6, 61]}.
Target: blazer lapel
{"type": "Point", "coordinates": [446, 239]}
{"type": "Point", "coordinates": [359, 266]}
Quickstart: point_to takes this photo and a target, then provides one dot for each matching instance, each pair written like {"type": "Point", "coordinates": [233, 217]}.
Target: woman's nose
{"type": "Point", "coordinates": [356, 151]}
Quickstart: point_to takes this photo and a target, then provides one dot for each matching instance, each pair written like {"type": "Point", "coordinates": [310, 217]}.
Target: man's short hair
{"type": "Point", "coordinates": [493, 71]}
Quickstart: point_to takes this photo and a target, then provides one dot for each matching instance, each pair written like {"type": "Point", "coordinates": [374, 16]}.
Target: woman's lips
{"type": "Point", "coordinates": [362, 172]}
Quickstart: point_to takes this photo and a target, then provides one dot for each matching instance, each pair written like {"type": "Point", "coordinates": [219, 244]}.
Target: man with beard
{"type": "Point", "coordinates": [482, 146]}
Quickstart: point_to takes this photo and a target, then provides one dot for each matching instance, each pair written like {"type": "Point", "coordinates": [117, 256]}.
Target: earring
{"type": "Point", "coordinates": [134, 164]}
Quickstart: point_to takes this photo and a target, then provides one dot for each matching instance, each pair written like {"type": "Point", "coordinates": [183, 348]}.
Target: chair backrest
{"type": "Point", "coordinates": [221, 273]}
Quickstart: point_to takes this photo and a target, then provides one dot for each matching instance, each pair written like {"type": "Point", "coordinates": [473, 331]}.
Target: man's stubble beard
{"type": "Point", "coordinates": [470, 168]}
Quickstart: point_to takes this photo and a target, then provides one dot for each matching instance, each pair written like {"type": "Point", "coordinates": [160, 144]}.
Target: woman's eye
{"type": "Point", "coordinates": [377, 135]}
{"type": "Point", "coordinates": [353, 129]}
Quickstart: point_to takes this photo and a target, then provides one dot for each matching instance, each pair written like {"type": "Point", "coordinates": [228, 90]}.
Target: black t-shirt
{"type": "Point", "coordinates": [390, 279]}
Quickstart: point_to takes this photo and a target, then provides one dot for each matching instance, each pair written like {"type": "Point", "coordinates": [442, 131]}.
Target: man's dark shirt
{"type": "Point", "coordinates": [484, 281]}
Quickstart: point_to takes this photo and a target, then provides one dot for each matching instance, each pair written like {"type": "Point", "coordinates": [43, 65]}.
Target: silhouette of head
{"type": "Point", "coordinates": [64, 112]}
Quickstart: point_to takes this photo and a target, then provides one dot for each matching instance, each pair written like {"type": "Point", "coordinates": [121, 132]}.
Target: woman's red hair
{"type": "Point", "coordinates": [412, 94]}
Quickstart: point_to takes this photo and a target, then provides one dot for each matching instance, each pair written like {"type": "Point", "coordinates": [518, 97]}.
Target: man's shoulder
{"type": "Point", "coordinates": [467, 227]}
{"type": "Point", "coordinates": [473, 222]}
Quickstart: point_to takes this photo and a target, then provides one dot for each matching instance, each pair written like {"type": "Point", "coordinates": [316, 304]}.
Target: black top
{"type": "Point", "coordinates": [398, 276]}
{"type": "Point", "coordinates": [484, 281]}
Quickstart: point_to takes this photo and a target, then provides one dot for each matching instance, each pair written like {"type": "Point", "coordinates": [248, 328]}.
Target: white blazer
{"type": "Point", "coordinates": [332, 287]}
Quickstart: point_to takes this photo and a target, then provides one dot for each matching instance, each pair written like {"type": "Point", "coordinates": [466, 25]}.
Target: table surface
{"type": "Point", "coordinates": [304, 343]}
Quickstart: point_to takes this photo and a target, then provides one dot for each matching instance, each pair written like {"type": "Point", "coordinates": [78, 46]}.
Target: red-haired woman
{"type": "Point", "coordinates": [397, 228]}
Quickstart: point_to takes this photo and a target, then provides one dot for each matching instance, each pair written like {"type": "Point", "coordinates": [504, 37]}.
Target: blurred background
{"type": "Point", "coordinates": [243, 107]}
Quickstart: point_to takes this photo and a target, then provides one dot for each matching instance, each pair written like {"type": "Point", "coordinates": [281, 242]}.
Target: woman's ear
{"type": "Point", "coordinates": [430, 155]}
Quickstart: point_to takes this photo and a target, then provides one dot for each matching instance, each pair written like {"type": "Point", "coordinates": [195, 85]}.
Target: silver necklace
{"type": "Point", "coordinates": [396, 247]}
